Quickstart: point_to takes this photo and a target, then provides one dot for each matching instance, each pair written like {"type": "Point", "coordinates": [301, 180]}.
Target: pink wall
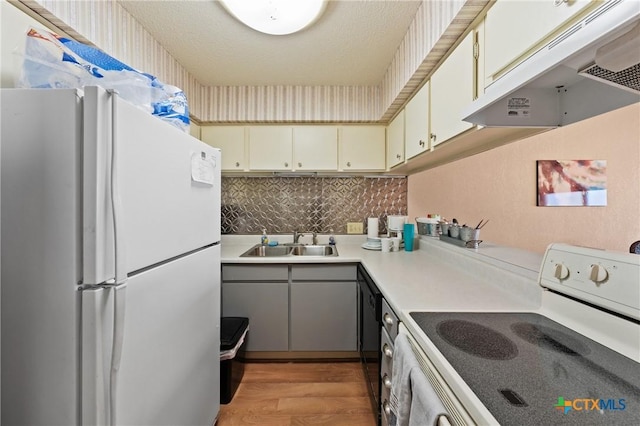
{"type": "Point", "coordinates": [500, 185]}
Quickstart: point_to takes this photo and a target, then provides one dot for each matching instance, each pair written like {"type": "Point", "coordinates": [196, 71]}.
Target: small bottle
{"type": "Point", "coordinates": [264, 240]}
{"type": "Point", "coordinates": [332, 239]}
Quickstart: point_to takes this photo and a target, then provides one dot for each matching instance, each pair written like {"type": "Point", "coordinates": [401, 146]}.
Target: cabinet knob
{"type": "Point", "coordinates": [421, 143]}
{"type": "Point", "coordinates": [286, 164]}
{"type": "Point", "coordinates": [398, 156]}
{"type": "Point", "coordinates": [348, 163]}
{"type": "Point", "coordinates": [387, 351]}
{"type": "Point", "coordinates": [433, 136]}
{"type": "Point", "coordinates": [386, 381]}
{"type": "Point", "coordinates": [386, 407]}
{"type": "Point", "coordinates": [557, 3]}
{"type": "Point", "coordinates": [387, 319]}
{"type": "Point", "coordinates": [237, 164]}
{"type": "Point", "coordinates": [299, 164]}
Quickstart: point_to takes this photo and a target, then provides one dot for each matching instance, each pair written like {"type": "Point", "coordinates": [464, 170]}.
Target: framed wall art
{"type": "Point", "coordinates": [572, 182]}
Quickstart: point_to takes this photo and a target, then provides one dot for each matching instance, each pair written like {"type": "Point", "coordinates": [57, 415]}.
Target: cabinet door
{"type": "Point", "coordinates": [315, 147]}
{"type": "Point", "coordinates": [452, 89]}
{"type": "Point", "coordinates": [515, 27]}
{"type": "Point", "coordinates": [267, 307]}
{"type": "Point", "coordinates": [270, 147]}
{"type": "Point", "coordinates": [417, 123]}
{"type": "Point", "coordinates": [231, 141]}
{"type": "Point", "coordinates": [395, 141]}
{"type": "Point", "coordinates": [362, 148]}
{"type": "Point", "coordinates": [323, 316]}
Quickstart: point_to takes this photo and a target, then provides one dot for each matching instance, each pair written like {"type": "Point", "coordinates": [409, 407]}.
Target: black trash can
{"type": "Point", "coordinates": [232, 343]}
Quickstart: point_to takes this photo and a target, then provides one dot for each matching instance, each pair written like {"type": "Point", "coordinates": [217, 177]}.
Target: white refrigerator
{"type": "Point", "coordinates": [110, 264]}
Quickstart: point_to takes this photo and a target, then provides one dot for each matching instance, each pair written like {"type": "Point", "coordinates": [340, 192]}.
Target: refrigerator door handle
{"type": "Point", "coordinates": [116, 204]}
{"type": "Point", "coordinates": [119, 288]}
{"type": "Point", "coordinates": [119, 305]}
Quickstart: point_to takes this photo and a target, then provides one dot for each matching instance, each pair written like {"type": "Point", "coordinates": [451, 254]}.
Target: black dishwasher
{"type": "Point", "coordinates": [369, 314]}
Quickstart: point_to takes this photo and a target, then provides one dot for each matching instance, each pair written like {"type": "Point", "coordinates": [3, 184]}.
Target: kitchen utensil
{"type": "Point", "coordinates": [481, 225]}
{"type": "Point", "coordinates": [454, 230]}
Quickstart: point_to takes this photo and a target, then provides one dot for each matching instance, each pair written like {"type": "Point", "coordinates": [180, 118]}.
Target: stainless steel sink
{"type": "Point", "coordinates": [266, 251]}
{"type": "Point", "coordinates": [291, 250]}
{"type": "Point", "coordinates": [319, 250]}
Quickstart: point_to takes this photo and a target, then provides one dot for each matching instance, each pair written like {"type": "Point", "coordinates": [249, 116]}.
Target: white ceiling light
{"type": "Point", "coordinates": [277, 17]}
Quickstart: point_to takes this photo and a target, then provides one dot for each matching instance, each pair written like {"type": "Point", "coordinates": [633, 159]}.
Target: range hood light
{"type": "Point", "coordinates": [620, 53]}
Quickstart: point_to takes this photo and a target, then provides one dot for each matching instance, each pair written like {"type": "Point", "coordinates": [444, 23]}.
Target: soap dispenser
{"type": "Point", "coordinates": [332, 239]}
{"type": "Point", "coordinates": [264, 240]}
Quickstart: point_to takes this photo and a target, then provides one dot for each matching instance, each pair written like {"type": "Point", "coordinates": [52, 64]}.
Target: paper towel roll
{"type": "Point", "coordinates": [372, 227]}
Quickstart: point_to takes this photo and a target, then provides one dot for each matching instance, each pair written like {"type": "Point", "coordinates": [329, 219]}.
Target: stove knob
{"type": "Point", "coordinates": [561, 272]}
{"type": "Point", "coordinates": [598, 274]}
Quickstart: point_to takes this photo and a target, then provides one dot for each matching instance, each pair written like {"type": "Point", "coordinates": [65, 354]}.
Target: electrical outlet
{"type": "Point", "coordinates": [354, 228]}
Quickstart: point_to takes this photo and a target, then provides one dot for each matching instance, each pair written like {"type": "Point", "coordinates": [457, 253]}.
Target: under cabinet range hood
{"type": "Point", "coordinates": [591, 68]}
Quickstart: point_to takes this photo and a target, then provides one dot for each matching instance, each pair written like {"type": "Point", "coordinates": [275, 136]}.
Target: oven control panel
{"type": "Point", "coordinates": [607, 279]}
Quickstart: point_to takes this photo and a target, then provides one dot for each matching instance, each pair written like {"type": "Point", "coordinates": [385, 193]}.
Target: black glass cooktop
{"type": "Point", "coordinates": [529, 370]}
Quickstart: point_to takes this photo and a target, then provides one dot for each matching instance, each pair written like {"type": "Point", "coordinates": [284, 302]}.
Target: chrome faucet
{"type": "Point", "coordinates": [297, 235]}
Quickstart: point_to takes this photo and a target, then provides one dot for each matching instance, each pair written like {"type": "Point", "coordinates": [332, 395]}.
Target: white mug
{"type": "Point", "coordinates": [386, 244]}
{"type": "Point", "coordinates": [396, 243]}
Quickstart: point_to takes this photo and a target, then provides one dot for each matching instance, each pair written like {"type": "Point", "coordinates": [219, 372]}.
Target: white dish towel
{"type": "Point", "coordinates": [414, 402]}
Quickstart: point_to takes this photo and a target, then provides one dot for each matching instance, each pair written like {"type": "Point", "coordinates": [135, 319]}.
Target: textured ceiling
{"type": "Point", "coordinates": [352, 44]}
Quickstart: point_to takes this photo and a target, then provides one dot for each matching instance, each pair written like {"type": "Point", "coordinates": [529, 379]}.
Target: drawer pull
{"type": "Point", "coordinates": [386, 407]}
{"type": "Point", "coordinates": [387, 319]}
{"type": "Point", "coordinates": [387, 351]}
{"type": "Point", "coordinates": [386, 381]}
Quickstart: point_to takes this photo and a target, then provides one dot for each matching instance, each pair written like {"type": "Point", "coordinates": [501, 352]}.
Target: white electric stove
{"type": "Point", "coordinates": [575, 360]}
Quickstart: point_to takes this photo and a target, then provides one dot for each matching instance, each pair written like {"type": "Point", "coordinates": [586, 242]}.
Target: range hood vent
{"type": "Point", "coordinates": [627, 79]}
{"type": "Point", "coordinates": [590, 69]}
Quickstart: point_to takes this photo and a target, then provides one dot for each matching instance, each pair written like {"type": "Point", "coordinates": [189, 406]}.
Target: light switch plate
{"type": "Point", "coordinates": [354, 228]}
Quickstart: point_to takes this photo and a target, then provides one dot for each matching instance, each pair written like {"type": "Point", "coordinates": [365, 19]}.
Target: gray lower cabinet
{"type": "Point", "coordinates": [260, 293]}
{"type": "Point", "coordinates": [299, 307]}
{"type": "Point", "coordinates": [323, 311]}
{"type": "Point", "coordinates": [323, 316]}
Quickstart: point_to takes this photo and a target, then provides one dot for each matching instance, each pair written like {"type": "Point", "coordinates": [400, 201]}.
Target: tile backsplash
{"type": "Point", "coordinates": [317, 204]}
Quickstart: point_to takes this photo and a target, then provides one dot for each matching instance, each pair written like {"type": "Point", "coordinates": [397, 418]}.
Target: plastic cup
{"type": "Point", "coordinates": [409, 231]}
{"type": "Point", "coordinates": [396, 243]}
{"type": "Point", "coordinates": [386, 245]}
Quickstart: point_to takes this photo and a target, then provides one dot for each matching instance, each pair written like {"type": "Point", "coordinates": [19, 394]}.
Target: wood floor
{"type": "Point", "coordinates": [300, 393]}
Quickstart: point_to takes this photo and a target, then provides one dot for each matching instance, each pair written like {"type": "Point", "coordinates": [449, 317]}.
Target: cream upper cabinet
{"type": "Point", "coordinates": [315, 148]}
{"type": "Point", "coordinates": [515, 28]}
{"type": "Point", "coordinates": [270, 148]}
{"type": "Point", "coordinates": [231, 141]}
{"type": "Point", "coordinates": [416, 118]}
{"type": "Point", "coordinates": [362, 148]}
{"type": "Point", "coordinates": [395, 141]}
{"type": "Point", "coordinates": [194, 130]}
{"type": "Point", "coordinates": [452, 89]}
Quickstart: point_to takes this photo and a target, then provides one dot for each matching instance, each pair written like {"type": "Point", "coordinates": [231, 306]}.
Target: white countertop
{"type": "Point", "coordinates": [436, 277]}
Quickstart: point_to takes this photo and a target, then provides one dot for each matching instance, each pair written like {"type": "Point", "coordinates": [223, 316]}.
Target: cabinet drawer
{"type": "Point", "coordinates": [346, 272]}
{"type": "Point", "coordinates": [389, 320]}
{"type": "Point", "coordinates": [255, 273]}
